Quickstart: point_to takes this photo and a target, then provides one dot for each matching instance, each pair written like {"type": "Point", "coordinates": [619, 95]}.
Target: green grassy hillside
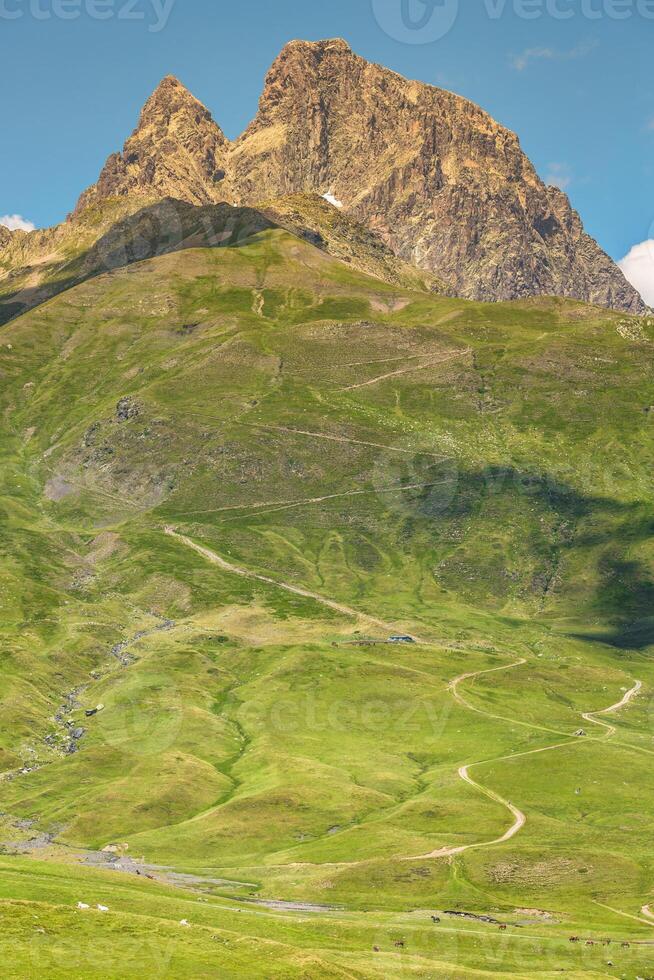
{"type": "Point", "coordinates": [118, 231]}
{"type": "Point", "coordinates": [228, 476]}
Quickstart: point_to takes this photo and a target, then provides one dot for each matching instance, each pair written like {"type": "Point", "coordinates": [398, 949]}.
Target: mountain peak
{"type": "Point", "coordinates": [326, 44]}
{"type": "Point", "coordinates": [311, 54]}
{"type": "Point", "coordinates": [171, 98]}
{"type": "Point", "coordinates": [443, 184]}
{"type": "Point", "coordinates": [170, 80]}
{"type": "Point", "coordinates": [168, 87]}
{"type": "Point", "coordinates": [177, 151]}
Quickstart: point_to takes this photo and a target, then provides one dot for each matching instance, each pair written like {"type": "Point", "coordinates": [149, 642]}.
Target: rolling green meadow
{"type": "Point", "coordinates": [227, 477]}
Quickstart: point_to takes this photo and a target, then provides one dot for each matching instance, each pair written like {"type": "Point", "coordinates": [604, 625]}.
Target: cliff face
{"type": "Point", "coordinates": [177, 151]}
{"type": "Point", "coordinates": [446, 187]}
{"type": "Point", "coordinates": [327, 227]}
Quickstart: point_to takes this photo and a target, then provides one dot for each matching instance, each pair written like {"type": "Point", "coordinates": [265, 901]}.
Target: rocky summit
{"type": "Point", "coordinates": [446, 187]}
{"type": "Point", "coordinates": [177, 151]}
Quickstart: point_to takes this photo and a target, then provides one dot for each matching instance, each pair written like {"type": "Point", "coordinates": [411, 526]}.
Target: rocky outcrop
{"type": "Point", "coordinates": [327, 227]}
{"type": "Point", "coordinates": [176, 151]}
{"type": "Point", "coordinates": [446, 186]}
{"type": "Point", "coordinates": [5, 236]}
{"type": "Point", "coordinates": [442, 184]}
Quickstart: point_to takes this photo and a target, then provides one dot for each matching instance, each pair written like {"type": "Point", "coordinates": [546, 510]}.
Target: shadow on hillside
{"type": "Point", "coordinates": [633, 636]}
{"type": "Point", "coordinates": [628, 592]}
{"type": "Point", "coordinates": [24, 300]}
{"type": "Point", "coordinates": [158, 229]}
{"type": "Point", "coordinates": [601, 529]}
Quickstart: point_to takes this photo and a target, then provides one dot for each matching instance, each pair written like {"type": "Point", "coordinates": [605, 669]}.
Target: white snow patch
{"type": "Point", "coordinates": [333, 200]}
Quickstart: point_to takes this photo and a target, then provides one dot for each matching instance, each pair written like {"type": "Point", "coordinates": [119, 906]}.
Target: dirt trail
{"type": "Point", "coordinates": [345, 439]}
{"type": "Point", "coordinates": [628, 915]}
{"type": "Point", "coordinates": [408, 370]}
{"type": "Point", "coordinates": [519, 817]}
{"type": "Point", "coordinates": [611, 729]}
{"type": "Point", "coordinates": [216, 559]}
{"type": "Point", "coordinates": [453, 688]}
{"type": "Point", "coordinates": [464, 774]}
{"type": "Point", "coordinates": [515, 828]}
{"type": "Point", "coordinates": [387, 360]}
{"type": "Point", "coordinates": [271, 506]}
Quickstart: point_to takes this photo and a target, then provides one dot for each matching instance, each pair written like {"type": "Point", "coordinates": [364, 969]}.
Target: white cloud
{"type": "Point", "coordinates": [16, 222]}
{"type": "Point", "coordinates": [558, 175]}
{"type": "Point", "coordinates": [521, 61]}
{"type": "Point", "coordinates": [638, 267]}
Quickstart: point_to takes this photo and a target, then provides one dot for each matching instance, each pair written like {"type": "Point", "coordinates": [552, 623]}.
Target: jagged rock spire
{"type": "Point", "coordinates": [177, 150]}
{"type": "Point", "coordinates": [447, 187]}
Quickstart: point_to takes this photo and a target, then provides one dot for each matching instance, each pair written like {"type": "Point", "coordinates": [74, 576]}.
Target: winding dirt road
{"type": "Point", "coordinates": [520, 818]}
{"type": "Point", "coordinates": [515, 828]}
{"type": "Point", "coordinates": [226, 566]}
{"type": "Point", "coordinates": [611, 729]}
{"type": "Point", "coordinates": [464, 773]}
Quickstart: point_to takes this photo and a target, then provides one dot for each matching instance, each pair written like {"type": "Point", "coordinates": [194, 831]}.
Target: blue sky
{"type": "Point", "coordinates": [573, 80]}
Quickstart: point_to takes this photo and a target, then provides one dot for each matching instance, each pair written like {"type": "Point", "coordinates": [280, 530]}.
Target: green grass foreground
{"type": "Point", "coordinates": [335, 460]}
